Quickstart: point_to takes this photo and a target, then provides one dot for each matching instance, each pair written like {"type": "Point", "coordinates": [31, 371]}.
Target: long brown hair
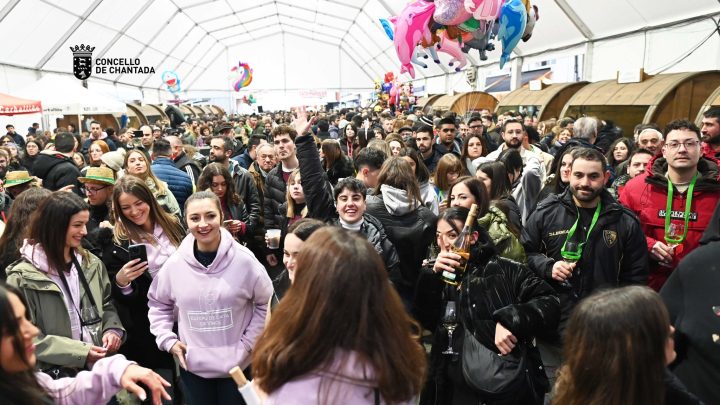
{"type": "Point", "coordinates": [51, 234]}
{"type": "Point", "coordinates": [332, 152]}
{"type": "Point", "coordinates": [126, 229]}
{"type": "Point", "coordinates": [160, 185]}
{"type": "Point", "coordinates": [291, 204]}
{"type": "Point", "coordinates": [217, 169]}
{"type": "Point", "coordinates": [22, 387]}
{"type": "Point", "coordinates": [397, 173]}
{"type": "Point", "coordinates": [447, 164]}
{"type": "Point", "coordinates": [466, 146]}
{"type": "Point", "coordinates": [16, 227]}
{"type": "Point", "coordinates": [618, 337]}
{"type": "Point", "coordinates": [340, 276]}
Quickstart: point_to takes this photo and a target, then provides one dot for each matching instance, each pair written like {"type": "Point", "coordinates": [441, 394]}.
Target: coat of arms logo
{"type": "Point", "coordinates": [82, 61]}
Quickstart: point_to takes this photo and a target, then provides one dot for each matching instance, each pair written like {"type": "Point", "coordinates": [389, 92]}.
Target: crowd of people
{"type": "Point", "coordinates": [309, 248]}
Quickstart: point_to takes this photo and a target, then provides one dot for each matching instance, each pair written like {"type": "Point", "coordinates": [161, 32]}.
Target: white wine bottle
{"type": "Point", "coordinates": [461, 247]}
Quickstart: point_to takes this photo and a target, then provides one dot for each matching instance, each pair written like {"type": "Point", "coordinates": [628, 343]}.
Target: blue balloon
{"type": "Point", "coordinates": [513, 18]}
{"type": "Point", "coordinates": [386, 87]}
{"type": "Point", "coordinates": [388, 28]}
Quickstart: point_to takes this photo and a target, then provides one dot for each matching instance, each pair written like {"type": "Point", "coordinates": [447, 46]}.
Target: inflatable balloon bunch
{"type": "Point", "coordinates": [406, 97]}
{"type": "Point", "coordinates": [249, 100]}
{"type": "Point", "coordinates": [172, 81]}
{"type": "Point", "coordinates": [455, 27]}
{"type": "Point", "coordinates": [393, 95]}
{"type": "Point", "coordinates": [241, 76]}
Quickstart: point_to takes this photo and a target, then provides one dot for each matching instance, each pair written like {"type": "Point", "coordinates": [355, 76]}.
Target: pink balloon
{"type": "Point", "coordinates": [451, 47]}
{"type": "Point", "coordinates": [484, 10]}
{"type": "Point", "coordinates": [410, 27]}
{"type": "Point", "coordinates": [450, 12]}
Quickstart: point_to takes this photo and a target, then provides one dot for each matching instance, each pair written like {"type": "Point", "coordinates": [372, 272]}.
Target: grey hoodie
{"type": "Point", "coordinates": [396, 200]}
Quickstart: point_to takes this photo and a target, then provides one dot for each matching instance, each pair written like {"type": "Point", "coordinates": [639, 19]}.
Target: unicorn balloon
{"type": "Point", "coordinates": [410, 27]}
{"type": "Point", "coordinates": [451, 47]}
{"type": "Point", "coordinates": [513, 19]}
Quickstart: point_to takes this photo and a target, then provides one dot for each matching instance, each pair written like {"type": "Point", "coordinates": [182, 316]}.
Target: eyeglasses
{"type": "Point", "coordinates": [89, 190]}
{"type": "Point", "coordinates": [674, 145]}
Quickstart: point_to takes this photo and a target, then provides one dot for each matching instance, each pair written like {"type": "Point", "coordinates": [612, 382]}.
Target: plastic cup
{"type": "Point", "coordinates": [273, 238]}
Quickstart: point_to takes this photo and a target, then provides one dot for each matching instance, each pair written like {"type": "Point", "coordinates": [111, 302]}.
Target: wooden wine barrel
{"type": "Point", "coordinates": [658, 99]}
{"type": "Point", "coordinates": [548, 102]}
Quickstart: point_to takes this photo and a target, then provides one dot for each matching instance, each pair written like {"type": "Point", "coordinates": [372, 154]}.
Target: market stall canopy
{"type": "Point", "coordinates": [10, 105]}
{"type": "Point", "coordinates": [66, 96]}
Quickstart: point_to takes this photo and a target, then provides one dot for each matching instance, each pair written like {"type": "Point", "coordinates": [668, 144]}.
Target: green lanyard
{"type": "Point", "coordinates": [576, 255]}
{"type": "Point", "coordinates": [668, 211]}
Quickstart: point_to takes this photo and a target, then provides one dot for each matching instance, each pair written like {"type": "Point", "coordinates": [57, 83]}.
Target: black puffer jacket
{"type": "Point", "coordinates": [189, 166]}
{"type": "Point", "coordinates": [411, 230]}
{"type": "Point", "coordinates": [375, 233]}
{"type": "Point", "coordinates": [275, 187]}
{"type": "Point", "coordinates": [321, 205]}
{"type": "Point", "coordinates": [140, 345]}
{"type": "Point", "coordinates": [342, 168]}
{"type": "Point", "coordinates": [248, 192]}
{"type": "Point", "coordinates": [349, 151]}
{"type": "Point", "coordinates": [316, 187]}
{"type": "Point", "coordinates": [493, 290]}
{"type": "Point", "coordinates": [57, 171]}
{"type": "Point", "coordinates": [615, 253]}
{"type": "Point", "coordinates": [690, 294]}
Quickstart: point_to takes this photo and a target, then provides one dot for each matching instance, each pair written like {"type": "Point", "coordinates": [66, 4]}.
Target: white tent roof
{"type": "Point", "coordinates": [66, 96]}
{"type": "Point", "coordinates": [328, 44]}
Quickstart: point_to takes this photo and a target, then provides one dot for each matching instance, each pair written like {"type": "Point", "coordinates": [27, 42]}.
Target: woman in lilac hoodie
{"type": "Point", "coordinates": [218, 293]}
{"type": "Point", "coordinates": [21, 385]}
{"type": "Point", "coordinates": [340, 335]}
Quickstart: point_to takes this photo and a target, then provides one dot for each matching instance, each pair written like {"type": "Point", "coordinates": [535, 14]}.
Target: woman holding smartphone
{"type": "Point", "coordinates": [141, 226]}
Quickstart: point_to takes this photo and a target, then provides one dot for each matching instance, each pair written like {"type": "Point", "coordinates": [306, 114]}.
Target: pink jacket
{"type": "Point", "coordinates": [348, 381]}
{"type": "Point", "coordinates": [96, 386]}
{"type": "Point", "coordinates": [220, 309]}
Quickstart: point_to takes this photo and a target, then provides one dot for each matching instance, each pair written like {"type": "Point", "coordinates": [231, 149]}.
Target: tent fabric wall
{"type": "Point", "coordinates": [330, 44]}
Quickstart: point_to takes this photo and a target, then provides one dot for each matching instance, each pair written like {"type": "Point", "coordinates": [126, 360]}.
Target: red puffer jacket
{"type": "Point", "coordinates": [646, 195]}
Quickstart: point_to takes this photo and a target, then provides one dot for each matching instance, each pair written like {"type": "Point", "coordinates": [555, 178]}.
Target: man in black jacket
{"type": "Point", "coordinates": [19, 140]}
{"type": "Point", "coordinates": [276, 180]}
{"type": "Point", "coordinates": [430, 151]}
{"type": "Point", "coordinates": [583, 240]}
{"type": "Point", "coordinates": [56, 168]}
{"type": "Point", "coordinates": [348, 196]}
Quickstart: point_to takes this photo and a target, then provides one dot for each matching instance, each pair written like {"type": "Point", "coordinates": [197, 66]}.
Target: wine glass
{"type": "Point", "coordinates": [675, 232]}
{"type": "Point", "coordinates": [573, 247]}
{"type": "Point", "coordinates": [91, 321]}
{"type": "Point", "coordinates": [450, 321]}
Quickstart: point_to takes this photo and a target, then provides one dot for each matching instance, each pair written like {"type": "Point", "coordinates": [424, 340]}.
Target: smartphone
{"type": "Point", "coordinates": [137, 134]}
{"type": "Point", "coordinates": [138, 252]}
